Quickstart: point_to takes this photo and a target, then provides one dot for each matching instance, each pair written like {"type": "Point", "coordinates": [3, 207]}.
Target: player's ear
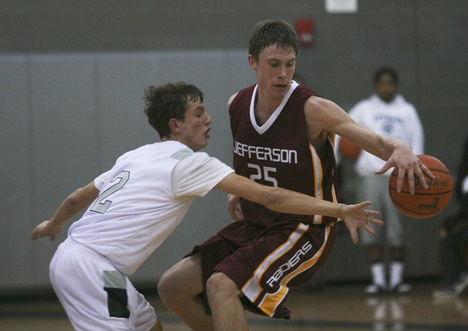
{"type": "Point", "coordinates": [252, 62]}
{"type": "Point", "coordinates": [174, 125]}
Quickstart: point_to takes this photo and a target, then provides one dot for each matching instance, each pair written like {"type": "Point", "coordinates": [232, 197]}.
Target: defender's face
{"type": "Point", "coordinates": [194, 129]}
{"type": "Point", "coordinates": [274, 69]}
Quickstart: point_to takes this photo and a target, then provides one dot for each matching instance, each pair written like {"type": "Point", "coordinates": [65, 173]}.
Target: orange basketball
{"type": "Point", "coordinates": [348, 150]}
{"type": "Point", "coordinates": [424, 203]}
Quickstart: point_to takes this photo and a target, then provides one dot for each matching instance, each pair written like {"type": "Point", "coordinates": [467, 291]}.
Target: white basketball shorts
{"type": "Point", "coordinates": [94, 294]}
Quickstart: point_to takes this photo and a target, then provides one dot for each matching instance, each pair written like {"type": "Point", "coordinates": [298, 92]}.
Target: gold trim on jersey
{"type": "Point", "coordinates": [318, 179]}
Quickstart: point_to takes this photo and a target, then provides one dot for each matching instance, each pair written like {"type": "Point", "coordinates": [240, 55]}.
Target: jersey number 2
{"type": "Point", "coordinates": [102, 203]}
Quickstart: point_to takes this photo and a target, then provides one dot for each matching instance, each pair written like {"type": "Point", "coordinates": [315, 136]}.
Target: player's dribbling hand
{"type": "Point", "coordinates": [356, 216]}
{"type": "Point", "coordinates": [408, 164]}
{"type": "Point", "coordinates": [44, 229]}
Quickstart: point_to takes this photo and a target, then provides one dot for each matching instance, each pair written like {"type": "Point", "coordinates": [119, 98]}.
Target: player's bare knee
{"type": "Point", "coordinates": [221, 285]}
{"type": "Point", "coordinates": [166, 288]}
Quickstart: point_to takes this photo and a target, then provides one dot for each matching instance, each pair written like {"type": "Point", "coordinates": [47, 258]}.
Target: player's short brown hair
{"type": "Point", "coordinates": [272, 32]}
{"type": "Point", "coordinates": [169, 101]}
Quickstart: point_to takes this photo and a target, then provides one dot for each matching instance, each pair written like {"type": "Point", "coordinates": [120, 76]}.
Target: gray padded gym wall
{"type": "Point", "coordinates": [66, 118]}
{"type": "Point", "coordinates": [73, 73]}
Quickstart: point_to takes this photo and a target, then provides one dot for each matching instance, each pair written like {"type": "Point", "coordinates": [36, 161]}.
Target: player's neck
{"type": "Point", "coordinates": [265, 105]}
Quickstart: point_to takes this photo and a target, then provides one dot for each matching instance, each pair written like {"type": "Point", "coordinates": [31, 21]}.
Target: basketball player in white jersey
{"type": "Point", "coordinates": [135, 205]}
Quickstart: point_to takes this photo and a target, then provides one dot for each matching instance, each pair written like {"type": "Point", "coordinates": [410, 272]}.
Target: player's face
{"type": "Point", "coordinates": [386, 88]}
{"type": "Point", "coordinates": [274, 70]}
{"type": "Point", "coordinates": [194, 129]}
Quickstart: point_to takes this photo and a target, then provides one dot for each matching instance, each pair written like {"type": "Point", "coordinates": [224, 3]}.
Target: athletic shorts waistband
{"type": "Point", "coordinates": [70, 243]}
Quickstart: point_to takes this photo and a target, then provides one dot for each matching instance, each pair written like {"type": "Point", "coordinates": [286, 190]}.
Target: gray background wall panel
{"type": "Point", "coordinates": [16, 195]}
{"type": "Point", "coordinates": [64, 135]}
{"type": "Point", "coordinates": [122, 79]}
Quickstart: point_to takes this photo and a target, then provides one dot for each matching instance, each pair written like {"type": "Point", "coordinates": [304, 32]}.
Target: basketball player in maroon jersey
{"type": "Point", "coordinates": [283, 135]}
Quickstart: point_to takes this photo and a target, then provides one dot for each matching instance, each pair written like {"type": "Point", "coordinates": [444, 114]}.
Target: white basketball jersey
{"type": "Point", "coordinates": [142, 199]}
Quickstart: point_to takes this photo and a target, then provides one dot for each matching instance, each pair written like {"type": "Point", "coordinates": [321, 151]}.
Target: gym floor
{"type": "Point", "coordinates": [328, 308]}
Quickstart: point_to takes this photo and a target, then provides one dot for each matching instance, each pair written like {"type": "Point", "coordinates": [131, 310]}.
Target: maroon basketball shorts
{"type": "Point", "coordinates": [266, 262]}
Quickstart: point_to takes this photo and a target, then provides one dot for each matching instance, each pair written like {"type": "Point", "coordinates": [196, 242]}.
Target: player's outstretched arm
{"type": "Point", "coordinates": [72, 205]}
{"type": "Point", "coordinates": [324, 115]}
{"type": "Point", "coordinates": [282, 200]}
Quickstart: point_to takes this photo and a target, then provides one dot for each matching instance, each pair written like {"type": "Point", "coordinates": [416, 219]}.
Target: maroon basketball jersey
{"type": "Point", "coordinates": [278, 153]}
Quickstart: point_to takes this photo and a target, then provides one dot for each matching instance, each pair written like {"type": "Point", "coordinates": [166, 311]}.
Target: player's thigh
{"type": "Point", "coordinates": [284, 257]}
{"type": "Point", "coordinates": [291, 252]}
{"type": "Point", "coordinates": [142, 314]}
{"type": "Point", "coordinates": [77, 281]}
{"type": "Point", "coordinates": [185, 276]}
{"type": "Point", "coordinates": [94, 295]}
